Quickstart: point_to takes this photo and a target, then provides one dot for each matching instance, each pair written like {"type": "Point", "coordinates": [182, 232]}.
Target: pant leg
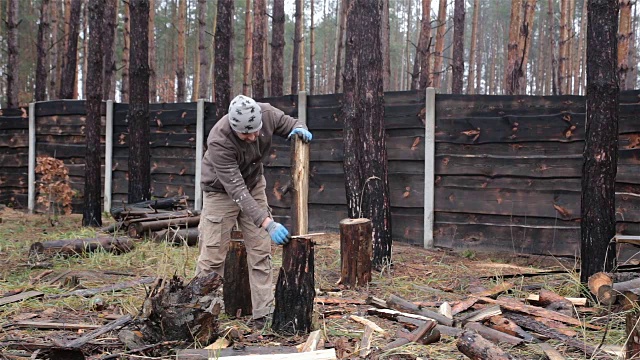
{"type": "Point", "coordinates": [219, 214]}
{"type": "Point", "coordinates": [258, 244]}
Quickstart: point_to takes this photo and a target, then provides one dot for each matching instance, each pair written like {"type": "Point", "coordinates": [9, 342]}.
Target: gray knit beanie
{"type": "Point", "coordinates": [244, 115]}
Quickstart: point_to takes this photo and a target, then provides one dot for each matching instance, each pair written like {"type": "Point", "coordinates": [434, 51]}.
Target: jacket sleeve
{"type": "Point", "coordinates": [283, 124]}
{"type": "Point", "coordinates": [230, 177]}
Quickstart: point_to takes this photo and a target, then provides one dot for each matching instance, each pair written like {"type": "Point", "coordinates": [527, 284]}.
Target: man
{"type": "Point", "coordinates": [234, 190]}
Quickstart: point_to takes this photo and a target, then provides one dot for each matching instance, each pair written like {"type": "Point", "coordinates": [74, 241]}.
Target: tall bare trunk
{"type": "Point", "coordinates": [386, 61]}
{"type": "Point", "coordinates": [495, 46]}
{"type": "Point", "coordinates": [297, 49]}
{"type": "Point", "coordinates": [424, 46]}
{"type": "Point", "coordinates": [126, 41]}
{"type": "Point", "coordinates": [458, 47]}
{"type": "Point", "coordinates": [552, 80]}
{"type": "Point", "coordinates": [259, 17]}
{"type": "Point", "coordinates": [180, 72]}
{"type": "Point", "coordinates": [407, 47]}
{"type": "Point", "coordinates": [109, 49]}
{"type": "Point", "coordinates": [511, 79]}
{"type": "Point", "coordinates": [277, 49]}
{"type": "Point", "coordinates": [54, 64]}
{"type": "Point", "coordinates": [571, 33]}
{"type": "Point", "coordinates": [437, 63]}
{"type": "Point", "coordinates": [624, 38]}
{"type": "Point", "coordinates": [153, 76]}
{"type": "Point", "coordinates": [246, 73]}
{"type": "Point", "coordinates": [472, 50]}
{"type": "Point", "coordinates": [480, 42]}
{"type": "Point", "coordinates": [266, 61]}
{"type": "Point", "coordinates": [12, 61]}
{"type": "Point", "coordinates": [42, 46]}
{"type": "Point", "coordinates": [70, 65]}
{"type": "Point", "coordinates": [524, 43]}
{"type": "Point", "coordinates": [85, 61]}
{"type": "Point", "coordinates": [582, 64]}
{"type": "Point", "coordinates": [302, 78]}
{"type": "Point", "coordinates": [563, 54]}
{"type": "Point", "coordinates": [222, 57]}
{"type": "Point", "coordinates": [312, 54]}
{"type": "Point", "coordinates": [325, 47]}
{"type": "Point", "coordinates": [344, 7]}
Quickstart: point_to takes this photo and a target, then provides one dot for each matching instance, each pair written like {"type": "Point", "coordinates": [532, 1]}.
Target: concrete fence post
{"type": "Point", "coordinates": [429, 165]}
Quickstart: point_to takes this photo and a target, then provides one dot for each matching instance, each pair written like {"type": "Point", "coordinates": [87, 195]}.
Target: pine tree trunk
{"type": "Point", "coordinates": [277, 49]}
{"type": "Point", "coordinates": [109, 48]}
{"type": "Point", "coordinates": [126, 55]}
{"type": "Point", "coordinates": [180, 72]}
{"type": "Point", "coordinates": [344, 6]}
{"type": "Point", "coordinates": [170, 64]}
{"type": "Point", "coordinates": [266, 60]}
{"type": "Point", "coordinates": [323, 89]}
{"type": "Point", "coordinates": [42, 47]}
{"type": "Point", "coordinates": [562, 53]}
{"type": "Point", "coordinates": [246, 73]}
{"type": "Point", "coordinates": [259, 35]}
{"type": "Point", "coordinates": [524, 44]}
{"type": "Point", "coordinates": [312, 55]}
{"type": "Point", "coordinates": [407, 49]}
{"type": "Point", "coordinates": [139, 132]}
{"type": "Point", "coordinates": [222, 56]}
{"type": "Point", "coordinates": [570, 41]}
{"type": "Point", "coordinates": [85, 60]}
{"type": "Point", "coordinates": [12, 47]}
{"type": "Point", "coordinates": [424, 46]}
{"type": "Point", "coordinates": [495, 45]}
{"type": "Point", "coordinates": [302, 85]}
{"type": "Point", "coordinates": [511, 71]}
{"type": "Point", "coordinates": [92, 211]}
{"type": "Point", "coordinates": [598, 225]}
{"type": "Point", "coordinates": [297, 42]}
{"type": "Point", "coordinates": [624, 39]}
{"type": "Point", "coordinates": [366, 179]}
{"type": "Point", "coordinates": [153, 77]}
{"type": "Point", "coordinates": [458, 47]}
{"type": "Point", "coordinates": [386, 60]}
{"type": "Point", "coordinates": [70, 64]}
{"type": "Point", "coordinates": [437, 63]}
{"type": "Point", "coordinates": [552, 84]}
{"type": "Point", "coordinates": [53, 59]}
{"type": "Point", "coordinates": [472, 50]}
{"type": "Point", "coordinates": [480, 43]}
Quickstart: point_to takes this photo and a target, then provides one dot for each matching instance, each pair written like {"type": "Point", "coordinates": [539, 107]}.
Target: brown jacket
{"type": "Point", "coordinates": [234, 166]}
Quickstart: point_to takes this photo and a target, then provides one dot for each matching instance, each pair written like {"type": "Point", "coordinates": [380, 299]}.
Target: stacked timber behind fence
{"type": "Point", "coordinates": [14, 156]}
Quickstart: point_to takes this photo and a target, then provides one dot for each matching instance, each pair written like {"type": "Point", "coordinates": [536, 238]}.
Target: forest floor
{"type": "Point", "coordinates": [416, 274]}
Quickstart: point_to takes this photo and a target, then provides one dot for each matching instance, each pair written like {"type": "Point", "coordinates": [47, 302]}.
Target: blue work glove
{"type": "Point", "coordinates": [279, 234]}
{"type": "Point", "coordinates": [303, 133]}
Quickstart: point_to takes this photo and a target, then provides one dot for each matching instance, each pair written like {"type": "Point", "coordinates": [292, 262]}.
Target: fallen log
{"type": "Point", "coordinates": [482, 314]}
{"type": "Point", "coordinates": [97, 332]}
{"type": "Point", "coordinates": [533, 325]}
{"type": "Point", "coordinates": [177, 311]}
{"type": "Point", "coordinates": [475, 347]}
{"type": "Point", "coordinates": [166, 203]}
{"type": "Point", "coordinates": [295, 288]}
{"type": "Point", "coordinates": [355, 252]}
{"type": "Point", "coordinates": [99, 290]}
{"type": "Point", "coordinates": [237, 289]}
{"type": "Point", "coordinates": [401, 304]}
{"type": "Point", "coordinates": [177, 236]}
{"type": "Point", "coordinates": [601, 285]}
{"type": "Point", "coordinates": [115, 245]}
{"type": "Point", "coordinates": [141, 228]}
{"type": "Point", "coordinates": [52, 325]}
{"type": "Point", "coordinates": [539, 299]}
{"type": "Point", "coordinates": [19, 297]}
{"type": "Point", "coordinates": [493, 335]}
{"type": "Point", "coordinates": [416, 336]}
{"type": "Point", "coordinates": [502, 324]}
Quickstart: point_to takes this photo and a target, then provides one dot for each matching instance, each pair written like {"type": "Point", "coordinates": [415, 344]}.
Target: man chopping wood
{"type": "Point", "coordinates": [234, 190]}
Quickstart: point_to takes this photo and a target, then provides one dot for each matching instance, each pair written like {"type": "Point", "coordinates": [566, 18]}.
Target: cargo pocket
{"type": "Point", "coordinates": [212, 231]}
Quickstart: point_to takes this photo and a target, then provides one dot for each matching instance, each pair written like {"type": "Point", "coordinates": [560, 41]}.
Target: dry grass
{"type": "Point", "coordinates": [415, 274]}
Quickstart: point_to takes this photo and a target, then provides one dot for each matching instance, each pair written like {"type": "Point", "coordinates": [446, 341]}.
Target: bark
{"type": "Point", "coordinates": [385, 38]}
{"type": "Point", "coordinates": [437, 63]}
{"type": "Point", "coordinates": [265, 50]}
{"type": "Point", "coordinates": [42, 48]}
{"type": "Point", "coordinates": [295, 289]}
{"type": "Point", "coordinates": [583, 48]}
{"type": "Point", "coordinates": [562, 53]}
{"type": "Point", "coordinates": [12, 49]}
{"type": "Point", "coordinates": [68, 79]}
{"type": "Point", "coordinates": [140, 228]}
{"type": "Point", "coordinates": [398, 303]}
{"type": "Point", "coordinates": [624, 40]}
{"type": "Point", "coordinates": [126, 54]}
{"type": "Point", "coordinates": [570, 41]}
{"type": "Point", "coordinates": [180, 72]}
{"type": "Point", "coordinates": [236, 289]}
{"type": "Point", "coordinates": [259, 36]}
{"type": "Point", "coordinates": [153, 78]}
{"type": "Point", "coordinates": [138, 116]}
{"type": "Point", "coordinates": [180, 236]}
{"type": "Point", "coordinates": [223, 56]}
{"type": "Point", "coordinates": [598, 225]}
{"type": "Point", "coordinates": [54, 65]}
{"type": "Point", "coordinates": [472, 51]}
{"type": "Point", "coordinates": [475, 347]}
{"type": "Point", "coordinates": [246, 86]}
{"type": "Point", "coordinates": [297, 44]}
{"type": "Point", "coordinates": [340, 43]}
{"type": "Point", "coordinates": [511, 70]}
{"type": "Point", "coordinates": [407, 51]}
{"type": "Point", "coordinates": [553, 70]}
{"type": "Point", "coordinates": [355, 252]}
{"type": "Point", "coordinates": [366, 172]}
{"type": "Point", "coordinates": [424, 46]}
{"type": "Point", "coordinates": [633, 335]}
{"type": "Point", "coordinates": [92, 211]}
{"type": "Point", "coordinates": [277, 49]}
{"type": "Point", "coordinates": [312, 54]}
{"type": "Point", "coordinates": [117, 245]}
{"type": "Point", "coordinates": [458, 47]}
{"type": "Point", "coordinates": [524, 43]}
{"type": "Point", "coordinates": [85, 58]}
{"type": "Point", "coordinates": [109, 49]}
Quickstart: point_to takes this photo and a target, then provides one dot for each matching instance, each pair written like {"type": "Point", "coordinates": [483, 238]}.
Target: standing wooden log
{"type": "Point", "coordinates": [81, 246]}
{"type": "Point", "coordinates": [355, 251]}
{"type": "Point", "coordinates": [476, 347]}
{"type": "Point", "coordinates": [300, 181]}
{"type": "Point", "coordinates": [236, 289]}
{"type": "Point", "coordinates": [295, 288]}
{"type": "Point", "coordinates": [633, 335]}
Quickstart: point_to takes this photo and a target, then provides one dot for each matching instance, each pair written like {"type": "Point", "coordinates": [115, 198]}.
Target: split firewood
{"type": "Point", "coordinates": [533, 325]}
{"type": "Point", "coordinates": [416, 336]}
{"type": "Point", "coordinates": [445, 310]}
{"type": "Point", "coordinates": [558, 326]}
{"type": "Point", "coordinates": [463, 305]}
{"type": "Point", "coordinates": [368, 323]}
{"type": "Point", "coordinates": [482, 314]}
{"type": "Point", "coordinates": [401, 304]}
{"type": "Point", "coordinates": [412, 320]}
{"type": "Point", "coordinates": [377, 302]}
{"type": "Point", "coordinates": [103, 289]}
{"type": "Point", "coordinates": [550, 351]}
{"type": "Point", "coordinates": [601, 285]}
{"type": "Point", "coordinates": [493, 335]}
{"type": "Point", "coordinates": [540, 299]}
{"type": "Point", "coordinates": [81, 246]}
{"type": "Point", "coordinates": [502, 324]}
{"type": "Point", "coordinates": [495, 291]}
{"type": "Point", "coordinates": [312, 342]}
{"type": "Point", "coordinates": [365, 342]}
{"type": "Point", "coordinates": [475, 347]}
{"type": "Point", "coordinates": [337, 301]}
{"type": "Point", "coordinates": [19, 297]}
{"type": "Point", "coordinates": [514, 305]}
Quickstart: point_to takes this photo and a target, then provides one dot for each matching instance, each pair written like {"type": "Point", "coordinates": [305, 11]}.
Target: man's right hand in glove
{"type": "Point", "coordinates": [279, 234]}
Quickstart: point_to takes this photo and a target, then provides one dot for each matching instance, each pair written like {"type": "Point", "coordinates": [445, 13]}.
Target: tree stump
{"type": "Point", "coordinates": [177, 311]}
{"type": "Point", "coordinates": [355, 251]}
{"type": "Point", "coordinates": [237, 290]}
{"type": "Point", "coordinates": [295, 289]}
{"type": "Point", "coordinates": [633, 334]}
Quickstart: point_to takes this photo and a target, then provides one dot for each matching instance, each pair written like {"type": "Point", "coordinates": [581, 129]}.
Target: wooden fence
{"type": "Point", "coordinates": [506, 176]}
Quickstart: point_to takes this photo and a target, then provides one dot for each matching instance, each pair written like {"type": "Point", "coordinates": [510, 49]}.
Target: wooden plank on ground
{"type": "Point", "coordinates": [19, 297]}
{"type": "Point", "coordinates": [53, 325]}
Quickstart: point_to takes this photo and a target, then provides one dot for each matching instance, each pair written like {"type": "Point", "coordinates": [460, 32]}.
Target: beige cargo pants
{"type": "Point", "coordinates": [219, 215]}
